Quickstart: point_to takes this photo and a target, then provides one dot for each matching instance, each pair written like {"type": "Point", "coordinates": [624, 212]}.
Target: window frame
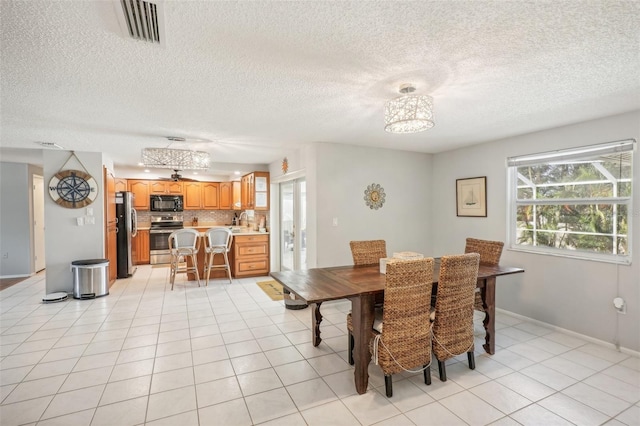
{"type": "Point", "coordinates": [572, 154]}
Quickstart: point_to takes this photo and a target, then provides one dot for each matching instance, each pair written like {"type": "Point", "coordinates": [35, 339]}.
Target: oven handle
{"type": "Point", "coordinates": [161, 231]}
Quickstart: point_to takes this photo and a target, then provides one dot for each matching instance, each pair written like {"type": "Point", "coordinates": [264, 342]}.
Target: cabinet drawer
{"type": "Point", "coordinates": [259, 249]}
{"type": "Point", "coordinates": [253, 266]}
{"type": "Point", "coordinates": [250, 238]}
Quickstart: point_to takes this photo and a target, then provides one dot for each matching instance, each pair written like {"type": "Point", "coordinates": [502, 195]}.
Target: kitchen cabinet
{"type": "Point", "coordinates": [140, 254]}
{"type": "Point", "coordinates": [226, 195]}
{"type": "Point", "coordinates": [165, 187]}
{"type": "Point", "coordinates": [201, 195]}
{"type": "Point", "coordinates": [121, 185]}
{"type": "Point", "coordinates": [255, 191]}
{"type": "Point", "coordinates": [237, 195]}
{"type": "Point", "coordinates": [140, 190]}
{"type": "Point", "coordinates": [250, 255]}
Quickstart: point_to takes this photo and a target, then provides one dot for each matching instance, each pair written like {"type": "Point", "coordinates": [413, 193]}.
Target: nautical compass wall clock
{"type": "Point", "coordinates": [73, 189]}
{"type": "Point", "coordinates": [374, 196]}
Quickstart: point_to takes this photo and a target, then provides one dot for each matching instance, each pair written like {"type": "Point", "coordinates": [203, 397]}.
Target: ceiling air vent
{"type": "Point", "coordinates": [142, 20]}
{"type": "Point", "coordinates": [51, 145]}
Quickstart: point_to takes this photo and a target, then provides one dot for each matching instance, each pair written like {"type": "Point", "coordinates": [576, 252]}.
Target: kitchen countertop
{"type": "Point", "coordinates": [239, 230]}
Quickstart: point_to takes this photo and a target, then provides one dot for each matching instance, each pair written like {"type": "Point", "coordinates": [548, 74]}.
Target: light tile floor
{"type": "Point", "coordinates": [228, 355]}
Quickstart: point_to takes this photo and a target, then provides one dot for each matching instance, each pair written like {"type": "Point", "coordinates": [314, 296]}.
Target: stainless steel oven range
{"type": "Point", "coordinates": [161, 228]}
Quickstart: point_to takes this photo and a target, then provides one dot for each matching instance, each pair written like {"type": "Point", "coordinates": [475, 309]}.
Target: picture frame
{"type": "Point", "coordinates": [471, 197]}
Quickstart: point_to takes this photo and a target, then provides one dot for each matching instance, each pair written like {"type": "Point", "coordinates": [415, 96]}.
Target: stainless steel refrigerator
{"type": "Point", "coordinates": [127, 218]}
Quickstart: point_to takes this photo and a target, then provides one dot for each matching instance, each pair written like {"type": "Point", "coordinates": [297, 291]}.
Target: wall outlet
{"type": "Point", "coordinates": [90, 220]}
{"type": "Point", "coordinates": [335, 221]}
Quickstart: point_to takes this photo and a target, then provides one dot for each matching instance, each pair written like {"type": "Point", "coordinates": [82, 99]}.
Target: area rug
{"type": "Point", "coordinates": [273, 289]}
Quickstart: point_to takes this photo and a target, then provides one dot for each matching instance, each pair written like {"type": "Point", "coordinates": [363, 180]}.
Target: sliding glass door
{"type": "Point", "coordinates": [293, 224]}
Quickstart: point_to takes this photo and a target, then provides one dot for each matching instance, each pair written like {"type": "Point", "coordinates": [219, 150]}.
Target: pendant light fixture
{"type": "Point", "coordinates": [408, 113]}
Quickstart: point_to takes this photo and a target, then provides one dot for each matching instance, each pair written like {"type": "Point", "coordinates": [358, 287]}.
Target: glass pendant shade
{"type": "Point", "coordinates": [409, 114]}
{"type": "Point", "coordinates": [178, 159]}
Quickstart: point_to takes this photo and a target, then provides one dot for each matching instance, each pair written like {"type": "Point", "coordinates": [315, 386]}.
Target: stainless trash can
{"type": "Point", "coordinates": [90, 278]}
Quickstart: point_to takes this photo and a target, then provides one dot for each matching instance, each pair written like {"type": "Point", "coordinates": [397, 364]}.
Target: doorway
{"type": "Point", "coordinates": [39, 262]}
{"type": "Point", "coordinates": [293, 224]}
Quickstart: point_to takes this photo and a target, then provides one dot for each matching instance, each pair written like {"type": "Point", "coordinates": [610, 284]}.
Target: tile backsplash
{"type": "Point", "coordinates": [218, 217]}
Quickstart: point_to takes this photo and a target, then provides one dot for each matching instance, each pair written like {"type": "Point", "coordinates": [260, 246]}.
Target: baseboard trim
{"type": "Point", "coordinates": [2, 277]}
{"type": "Point", "coordinates": [571, 333]}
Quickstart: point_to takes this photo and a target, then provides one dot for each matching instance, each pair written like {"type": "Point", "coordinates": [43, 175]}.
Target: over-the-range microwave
{"type": "Point", "coordinates": [166, 203]}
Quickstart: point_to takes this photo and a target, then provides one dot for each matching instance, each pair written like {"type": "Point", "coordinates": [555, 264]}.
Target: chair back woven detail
{"type": "Point", "coordinates": [368, 252]}
{"type": "Point", "coordinates": [490, 251]}
{"type": "Point", "coordinates": [406, 335]}
{"type": "Point", "coordinates": [218, 242]}
{"type": "Point", "coordinates": [453, 325]}
{"type": "Point", "coordinates": [184, 243]}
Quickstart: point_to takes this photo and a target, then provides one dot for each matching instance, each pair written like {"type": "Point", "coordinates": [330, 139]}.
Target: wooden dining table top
{"type": "Point", "coordinates": [343, 282]}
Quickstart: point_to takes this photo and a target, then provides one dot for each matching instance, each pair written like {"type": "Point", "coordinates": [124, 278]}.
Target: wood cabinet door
{"type": "Point", "coordinates": [192, 195]}
{"type": "Point", "coordinates": [157, 187]}
{"type": "Point", "coordinates": [111, 227]}
{"type": "Point", "coordinates": [121, 185]}
{"type": "Point", "coordinates": [226, 196]}
{"type": "Point", "coordinates": [174, 188]}
{"type": "Point", "coordinates": [244, 196]}
{"type": "Point", "coordinates": [237, 195]}
{"type": "Point", "coordinates": [261, 191]}
{"type": "Point", "coordinates": [142, 246]}
{"type": "Point", "coordinates": [210, 195]}
{"type": "Point", "coordinates": [140, 190]}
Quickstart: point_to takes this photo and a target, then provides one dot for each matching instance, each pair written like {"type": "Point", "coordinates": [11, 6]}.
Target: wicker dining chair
{"type": "Point", "coordinates": [453, 324]}
{"type": "Point", "coordinates": [368, 252]}
{"type": "Point", "coordinates": [403, 340]}
{"type": "Point", "coordinates": [218, 242]}
{"type": "Point", "coordinates": [490, 252]}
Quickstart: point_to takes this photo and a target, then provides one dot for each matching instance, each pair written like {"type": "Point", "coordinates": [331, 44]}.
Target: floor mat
{"type": "Point", "coordinates": [272, 288]}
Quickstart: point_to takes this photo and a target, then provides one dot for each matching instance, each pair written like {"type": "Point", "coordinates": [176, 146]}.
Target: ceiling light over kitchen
{"type": "Point", "coordinates": [180, 159]}
{"type": "Point", "coordinates": [408, 113]}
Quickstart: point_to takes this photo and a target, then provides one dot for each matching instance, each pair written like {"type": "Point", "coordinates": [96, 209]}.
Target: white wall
{"type": "Point", "coordinates": [573, 294]}
{"type": "Point", "coordinates": [65, 241]}
{"type": "Point", "coordinates": [335, 189]}
{"type": "Point", "coordinates": [15, 224]}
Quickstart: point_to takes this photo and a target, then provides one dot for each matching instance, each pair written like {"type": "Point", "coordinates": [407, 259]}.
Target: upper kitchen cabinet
{"type": "Point", "coordinates": [255, 191]}
{"type": "Point", "coordinates": [201, 195]}
{"type": "Point", "coordinates": [140, 190]}
{"type": "Point", "coordinates": [166, 187]}
{"type": "Point", "coordinates": [121, 185]}
{"type": "Point", "coordinates": [226, 195]}
{"type": "Point", "coordinates": [237, 195]}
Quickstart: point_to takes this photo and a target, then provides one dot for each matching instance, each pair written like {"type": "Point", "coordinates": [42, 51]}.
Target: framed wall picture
{"type": "Point", "coordinates": [471, 197]}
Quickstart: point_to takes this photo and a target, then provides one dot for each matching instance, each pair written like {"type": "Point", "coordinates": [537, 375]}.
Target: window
{"type": "Point", "coordinates": [574, 202]}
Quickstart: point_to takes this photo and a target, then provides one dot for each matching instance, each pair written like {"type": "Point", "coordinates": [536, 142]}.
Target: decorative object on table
{"type": "Point", "coordinates": [408, 113]}
{"type": "Point", "coordinates": [73, 189]}
{"type": "Point", "coordinates": [272, 288]}
{"type": "Point", "coordinates": [285, 166]}
{"type": "Point", "coordinates": [471, 197]}
{"type": "Point", "coordinates": [374, 196]}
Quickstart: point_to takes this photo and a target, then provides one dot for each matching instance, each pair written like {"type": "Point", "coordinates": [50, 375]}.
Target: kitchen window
{"type": "Point", "coordinates": [574, 202]}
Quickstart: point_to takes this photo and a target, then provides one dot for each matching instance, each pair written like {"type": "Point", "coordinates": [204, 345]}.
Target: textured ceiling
{"type": "Point", "coordinates": [260, 78]}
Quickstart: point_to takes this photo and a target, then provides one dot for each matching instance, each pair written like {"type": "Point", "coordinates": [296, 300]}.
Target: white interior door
{"type": "Point", "coordinates": [293, 225]}
{"type": "Point", "coordinates": [38, 223]}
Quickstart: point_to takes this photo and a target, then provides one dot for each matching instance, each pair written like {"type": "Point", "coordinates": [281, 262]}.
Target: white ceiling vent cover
{"type": "Point", "coordinates": [141, 20]}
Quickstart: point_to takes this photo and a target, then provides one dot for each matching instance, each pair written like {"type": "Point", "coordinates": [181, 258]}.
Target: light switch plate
{"type": "Point", "coordinates": [80, 221]}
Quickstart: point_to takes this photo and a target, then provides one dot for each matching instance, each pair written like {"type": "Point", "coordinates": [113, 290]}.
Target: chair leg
{"type": "Point", "coordinates": [208, 261]}
{"type": "Point", "coordinates": [427, 374]}
{"type": "Point", "coordinates": [472, 360]}
{"type": "Point", "coordinates": [172, 273]}
{"type": "Point", "coordinates": [351, 345]}
{"type": "Point", "coordinates": [442, 370]}
{"type": "Point", "coordinates": [228, 268]}
{"type": "Point", "coordinates": [195, 268]}
{"type": "Point", "coordinates": [388, 387]}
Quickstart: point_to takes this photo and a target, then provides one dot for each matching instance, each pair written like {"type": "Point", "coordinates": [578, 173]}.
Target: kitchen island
{"type": "Point", "coordinates": [248, 257]}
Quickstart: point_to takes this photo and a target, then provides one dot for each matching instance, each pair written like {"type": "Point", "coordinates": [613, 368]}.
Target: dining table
{"type": "Point", "coordinates": [360, 285]}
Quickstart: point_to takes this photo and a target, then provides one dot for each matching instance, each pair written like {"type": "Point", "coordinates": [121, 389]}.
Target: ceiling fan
{"type": "Point", "coordinates": [176, 177]}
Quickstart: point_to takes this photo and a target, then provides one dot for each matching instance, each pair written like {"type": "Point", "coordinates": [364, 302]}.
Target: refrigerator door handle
{"type": "Point", "coordinates": [134, 224]}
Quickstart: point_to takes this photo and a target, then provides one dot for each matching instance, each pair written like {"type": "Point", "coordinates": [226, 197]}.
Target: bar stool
{"type": "Point", "coordinates": [184, 243]}
{"type": "Point", "coordinates": [218, 242]}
